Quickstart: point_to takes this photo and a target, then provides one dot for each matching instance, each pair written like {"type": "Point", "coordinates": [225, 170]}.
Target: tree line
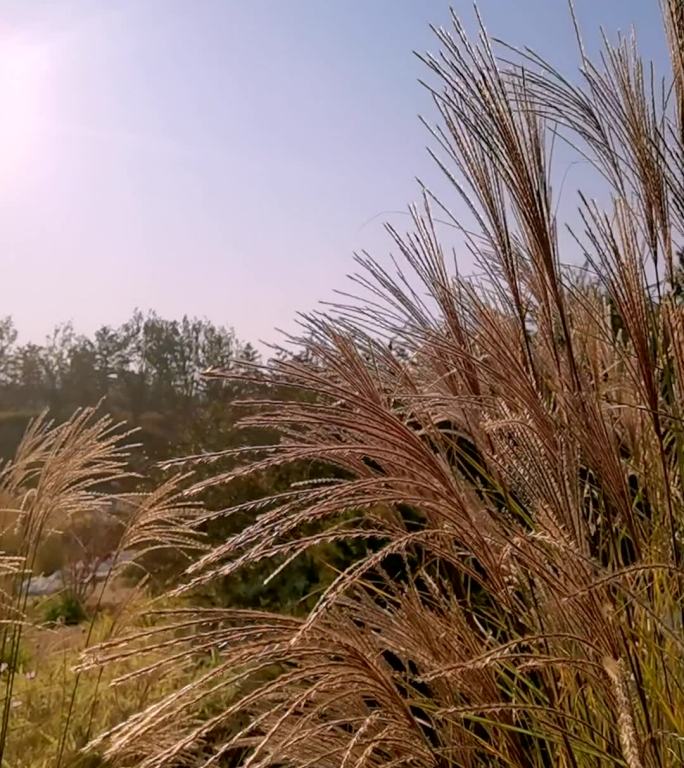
{"type": "Point", "coordinates": [147, 371]}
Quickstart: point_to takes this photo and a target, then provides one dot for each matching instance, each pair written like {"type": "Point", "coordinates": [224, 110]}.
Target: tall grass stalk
{"type": "Point", "coordinates": [513, 459]}
{"type": "Point", "coordinates": [61, 474]}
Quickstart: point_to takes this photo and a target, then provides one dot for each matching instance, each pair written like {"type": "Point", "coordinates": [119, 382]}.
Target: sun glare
{"type": "Point", "coordinates": [23, 78]}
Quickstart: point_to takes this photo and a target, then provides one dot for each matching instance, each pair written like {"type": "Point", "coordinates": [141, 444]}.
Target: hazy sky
{"type": "Point", "coordinates": [221, 157]}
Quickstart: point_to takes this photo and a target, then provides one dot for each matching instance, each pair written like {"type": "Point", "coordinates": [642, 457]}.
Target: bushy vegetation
{"type": "Point", "coordinates": [479, 480]}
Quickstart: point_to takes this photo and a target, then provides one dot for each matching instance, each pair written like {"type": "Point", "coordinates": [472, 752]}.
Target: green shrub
{"type": "Point", "coordinates": [65, 609]}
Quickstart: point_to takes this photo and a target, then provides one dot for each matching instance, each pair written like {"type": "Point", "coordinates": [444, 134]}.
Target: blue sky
{"type": "Point", "coordinates": [223, 158]}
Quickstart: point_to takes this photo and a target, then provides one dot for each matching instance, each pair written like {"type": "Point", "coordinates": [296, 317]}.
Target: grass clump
{"type": "Point", "coordinates": [66, 609]}
{"type": "Point", "coordinates": [46, 723]}
{"type": "Point", "coordinates": [510, 449]}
